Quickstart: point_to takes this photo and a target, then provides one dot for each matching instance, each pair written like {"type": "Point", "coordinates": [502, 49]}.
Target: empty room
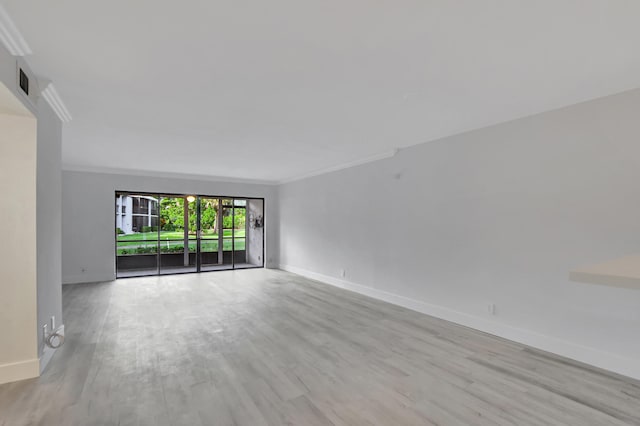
{"type": "Point", "coordinates": [319, 212]}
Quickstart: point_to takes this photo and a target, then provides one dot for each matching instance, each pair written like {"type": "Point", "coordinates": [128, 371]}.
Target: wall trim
{"type": "Point", "coordinates": [22, 370]}
{"type": "Point", "coordinates": [101, 278]}
{"type": "Point", "coordinates": [347, 165]}
{"type": "Point", "coordinates": [588, 355]}
{"type": "Point", "coordinates": [156, 174]}
{"type": "Point", "coordinates": [88, 278]}
{"type": "Point", "coordinates": [47, 352]}
{"type": "Point", "coordinates": [11, 36]}
{"type": "Point", "coordinates": [50, 94]}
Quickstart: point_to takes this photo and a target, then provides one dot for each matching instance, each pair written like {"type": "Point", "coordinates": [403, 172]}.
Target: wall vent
{"type": "Point", "coordinates": [23, 82]}
{"type": "Point", "coordinates": [26, 83]}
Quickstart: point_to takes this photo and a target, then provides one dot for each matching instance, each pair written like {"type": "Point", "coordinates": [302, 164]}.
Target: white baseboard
{"type": "Point", "coordinates": [47, 353]}
{"type": "Point", "coordinates": [595, 357]}
{"type": "Point", "coordinates": [19, 371]}
{"type": "Point", "coordinates": [88, 278]}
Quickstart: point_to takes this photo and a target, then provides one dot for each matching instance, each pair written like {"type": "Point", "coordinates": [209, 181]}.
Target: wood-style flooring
{"type": "Point", "coordinates": [265, 347]}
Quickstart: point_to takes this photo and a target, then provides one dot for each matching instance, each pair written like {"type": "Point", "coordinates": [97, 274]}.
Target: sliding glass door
{"type": "Point", "coordinates": [222, 235]}
{"type": "Point", "coordinates": [209, 240]}
{"type": "Point", "coordinates": [136, 234]}
{"type": "Point", "coordinates": [177, 234]}
{"type": "Point", "coordinates": [239, 232]}
{"type": "Point", "coordinates": [169, 234]}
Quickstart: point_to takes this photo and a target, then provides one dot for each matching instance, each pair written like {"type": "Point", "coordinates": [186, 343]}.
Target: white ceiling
{"type": "Point", "coordinates": [271, 90]}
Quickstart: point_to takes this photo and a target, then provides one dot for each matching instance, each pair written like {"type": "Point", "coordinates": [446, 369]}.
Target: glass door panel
{"type": "Point", "coordinates": [136, 235]}
{"type": "Point", "coordinates": [239, 232]}
{"type": "Point", "coordinates": [177, 235]}
{"type": "Point", "coordinates": [226, 248]}
{"type": "Point", "coordinates": [210, 236]}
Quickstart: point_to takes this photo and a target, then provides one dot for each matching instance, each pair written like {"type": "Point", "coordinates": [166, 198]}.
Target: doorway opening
{"type": "Point", "coordinates": [160, 234]}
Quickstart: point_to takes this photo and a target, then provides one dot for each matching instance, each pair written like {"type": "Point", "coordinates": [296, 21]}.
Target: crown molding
{"type": "Point", "coordinates": [342, 166]}
{"type": "Point", "coordinates": [167, 175]}
{"type": "Point", "coordinates": [11, 37]}
{"type": "Point", "coordinates": [207, 178]}
{"type": "Point", "coordinates": [50, 94]}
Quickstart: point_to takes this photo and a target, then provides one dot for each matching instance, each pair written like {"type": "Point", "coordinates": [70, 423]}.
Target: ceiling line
{"type": "Point", "coordinates": [342, 166]}
{"type": "Point", "coordinates": [158, 174]}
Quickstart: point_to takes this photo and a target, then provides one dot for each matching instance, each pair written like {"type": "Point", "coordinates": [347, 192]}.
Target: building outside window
{"type": "Point", "coordinates": [136, 214]}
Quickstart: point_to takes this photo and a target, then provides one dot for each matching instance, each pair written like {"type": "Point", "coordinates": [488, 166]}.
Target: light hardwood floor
{"type": "Point", "coordinates": [264, 347]}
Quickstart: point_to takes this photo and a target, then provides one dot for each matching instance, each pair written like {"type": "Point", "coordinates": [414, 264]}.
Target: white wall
{"type": "Point", "coordinates": [49, 223]}
{"type": "Point", "coordinates": [499, 215]}
{"type": "Point", "coordinates": [88, 217]}
{"type": "Point", "coordinates": [18, 286]}
{"type": "Point", "coordinates": [46, 163]}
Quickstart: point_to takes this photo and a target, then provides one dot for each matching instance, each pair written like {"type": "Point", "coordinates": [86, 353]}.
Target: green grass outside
{"type": "Point", "coordinates": [134, 239]}
{"type": "Point", "coordinates": [126, 248]}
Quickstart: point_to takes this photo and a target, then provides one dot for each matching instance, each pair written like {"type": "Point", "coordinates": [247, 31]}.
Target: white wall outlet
{"type": "Point", "coordinates": [491, 308]}
{"type": "Point", "coordinates": [343, 273]}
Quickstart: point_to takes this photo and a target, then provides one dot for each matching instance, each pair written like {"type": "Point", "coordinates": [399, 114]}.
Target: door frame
{"type": "Point", "coordinates": [198, 270]}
